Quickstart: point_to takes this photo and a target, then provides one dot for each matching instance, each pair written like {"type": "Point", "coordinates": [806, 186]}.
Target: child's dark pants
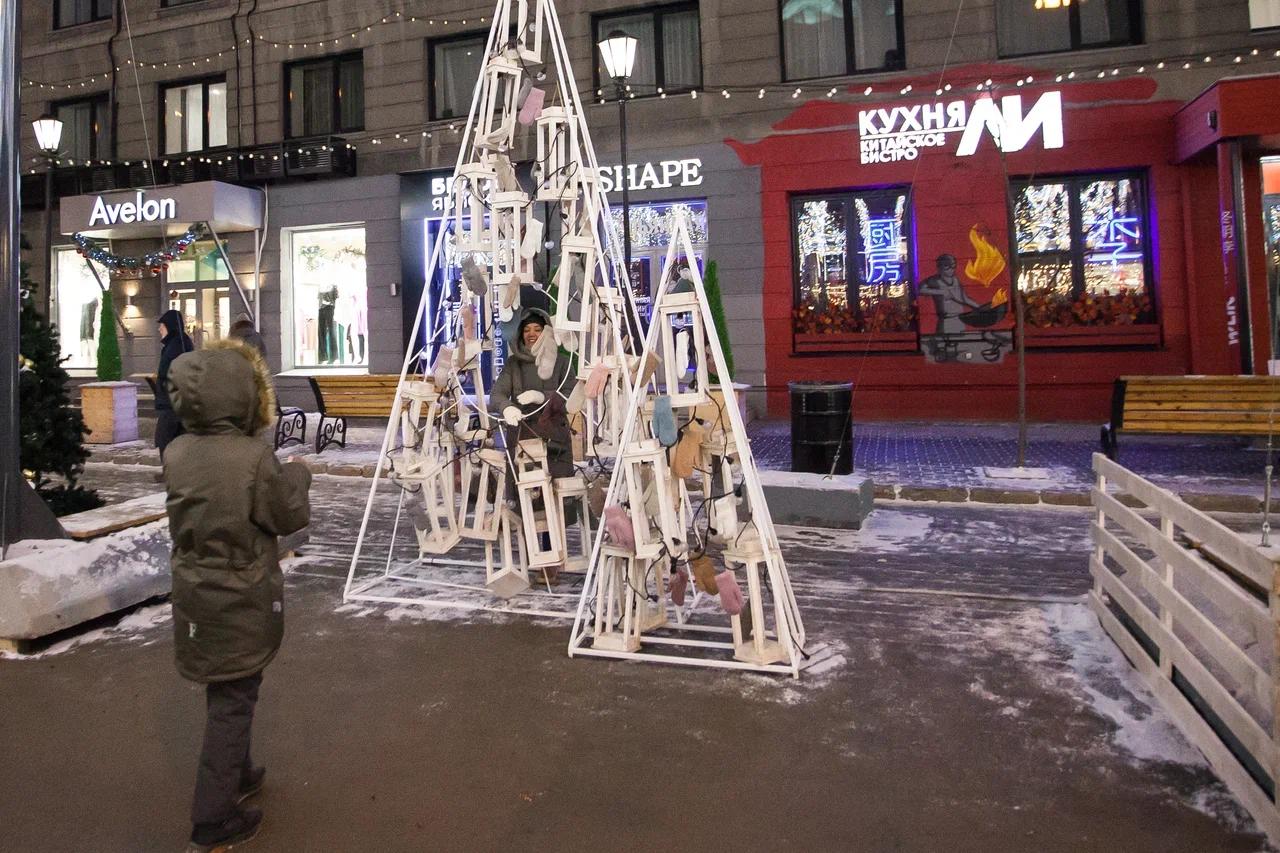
{"type": "Point", "coordinates": [224, 760]}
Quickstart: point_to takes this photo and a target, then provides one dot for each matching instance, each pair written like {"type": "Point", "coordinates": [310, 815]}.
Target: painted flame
{"type": "Point", "coordinates": [1001, 297]}
{"type": "Point", "coordinates": [988, 264]}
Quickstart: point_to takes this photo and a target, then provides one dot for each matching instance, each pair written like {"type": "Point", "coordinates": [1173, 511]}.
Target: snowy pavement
{"type": "Point", "coordinates": [978, 707]}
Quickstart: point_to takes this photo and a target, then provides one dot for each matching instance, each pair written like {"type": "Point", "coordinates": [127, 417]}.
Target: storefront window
{"type": "Point", "coordinates": [1023, 28]}
{"type": "Point", "coordinates": [201, 262]}
{"type": "Point", "coordinates": [325, 96]}
{"type": "Point", "coordinates": [1083, 255]}
{"type": "Point", "coordinates": [195, 116]}
{"type": "Point", "coordinates": [330, 297]}
{"type": "Point", "coordinates": [68, 13]}
{"type": "Point", "coordinates": [77, 307]}
{"type": "Point", "coordinates": [1264, 14]}
{"type": "Point", "coordinates": [669, 53]}
{"type": "Point", "coordinates": [206, 312]}
{"type": "Point", "coordinates": [455, 67]}
{"type": "Point", "coordinates": [830, 38]}
{"type": "Point", "coordinates": [651, 229]}
{"type": "Point", "coordinates": [86, 128]}
{"type": "Point", "coordinates": [853, 263]}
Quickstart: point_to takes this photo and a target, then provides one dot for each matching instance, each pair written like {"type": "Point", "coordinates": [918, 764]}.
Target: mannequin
{"type": "Point", "coordinates": [359, 328]}
{"type": "Point", "coordinates": [327, 349]}
{"type": "Point", "coordinates": [88, 325]}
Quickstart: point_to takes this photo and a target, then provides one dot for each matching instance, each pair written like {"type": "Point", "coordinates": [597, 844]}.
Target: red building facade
{"type": "Point", "coordinates": [1124, 221]}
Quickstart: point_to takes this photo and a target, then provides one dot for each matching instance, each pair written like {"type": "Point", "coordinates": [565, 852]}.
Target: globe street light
{"type": "Point", "coordinates": [618, 50]}
{"type": "Point", "coordinates": [48, 138]}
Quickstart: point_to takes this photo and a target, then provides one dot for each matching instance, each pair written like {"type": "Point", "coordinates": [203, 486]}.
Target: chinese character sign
{"type": "Point", "coordinates": [881, 253]}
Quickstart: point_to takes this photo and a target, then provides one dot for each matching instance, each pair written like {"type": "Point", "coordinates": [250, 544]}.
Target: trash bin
{"type": "Point", "coordinates": [821, 427]}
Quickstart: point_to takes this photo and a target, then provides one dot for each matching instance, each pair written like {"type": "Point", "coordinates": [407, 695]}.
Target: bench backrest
{"type": "Point", "coordinates": [368, 396]}
{"type": "Point", "coordinates": [1248, 405]}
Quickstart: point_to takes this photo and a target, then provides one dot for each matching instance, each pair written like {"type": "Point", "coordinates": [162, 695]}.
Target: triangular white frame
{"type": "Point", "coordinates": [785, 609]}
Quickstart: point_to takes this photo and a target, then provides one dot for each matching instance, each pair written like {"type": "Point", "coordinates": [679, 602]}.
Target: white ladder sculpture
{"type": "Point", "coordinates": [626, 609]}
{"type": "Point", "coordinates": [452, 476]}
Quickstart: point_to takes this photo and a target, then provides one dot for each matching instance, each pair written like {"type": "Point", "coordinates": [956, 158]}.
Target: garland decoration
{"type": "Point", "coordinates": [153, 262]}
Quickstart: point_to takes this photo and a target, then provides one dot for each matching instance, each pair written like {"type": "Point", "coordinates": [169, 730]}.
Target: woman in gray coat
{"type": "Point", "coordinates": [534, 363]}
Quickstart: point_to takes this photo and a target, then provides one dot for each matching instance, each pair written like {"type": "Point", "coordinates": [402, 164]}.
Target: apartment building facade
{"type": "Point", "coordinates": [871, 178]}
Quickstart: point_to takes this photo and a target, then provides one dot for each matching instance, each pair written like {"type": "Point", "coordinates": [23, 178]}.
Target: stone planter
{"type": "Point", "coordinates": [110, 411]}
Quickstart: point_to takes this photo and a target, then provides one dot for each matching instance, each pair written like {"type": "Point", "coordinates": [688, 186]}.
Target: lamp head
{"type": "Point", "coordinates": [619, 53]}
{"type": "Point", "coordinates": [48, 133]}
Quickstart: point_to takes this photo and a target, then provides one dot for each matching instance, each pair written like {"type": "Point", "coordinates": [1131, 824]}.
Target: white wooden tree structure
{"type": "Point", "coordinates": [656, 536]}
{"type": "Point", "coordinates": [440, 447]}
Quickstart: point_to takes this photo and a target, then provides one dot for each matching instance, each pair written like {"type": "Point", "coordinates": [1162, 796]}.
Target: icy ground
{"type": "Point", "coordinates": [972, 702]}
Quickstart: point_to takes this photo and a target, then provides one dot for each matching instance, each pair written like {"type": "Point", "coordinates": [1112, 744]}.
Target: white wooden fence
{"type": "Point", "coordinates": [1193, 605]}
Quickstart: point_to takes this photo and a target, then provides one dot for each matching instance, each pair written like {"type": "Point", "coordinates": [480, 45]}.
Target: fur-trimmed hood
{"type": "Point", "coordinates": [225, 387]}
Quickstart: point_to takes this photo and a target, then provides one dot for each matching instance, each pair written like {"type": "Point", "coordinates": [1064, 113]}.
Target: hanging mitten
{"type": "Point", "coordinates": [566, 339]}
{"type": "Point", "coordinates": [596, 380]}
{"type": "Point", "coordinates": [617, 523]}
{"type": "Point", "coordinates": [704, 574]}
{"type": "Point", "coordinates": [664, 421]}
{"type": "Point", "coordinates": [650, 367]}
{"type": "Point", "coordinates": [730, 593]}
{"type": "Point", "coordinates": [596, 493]}
{"type": "Point", "coordinates": [440, 368]}
{"type": "Point", "coordinates": [468, 323]}
{"type": "Point", "coordinates": [509, 299]}
{"type": "Point", "coordinates": [507, 181]}
{"type": "Point", "coordinates": [679, 583]}
{"type": "Point", "coordinates": [474, 278]}
{"type": "Point", "coordinates": [532, 238]}
{"type": "Point", "coordinates": [577, 399]}
{"type": "Point", "coordinates": [532, 107]}
{"type": "Point", "coordinates": [512, 415]}
{"type": "Point", "coordinates": [684, 459]}
{"type": "Point", "coordinates": [682, 343]}
{"type": "Point", "coordinates": [544, 355]}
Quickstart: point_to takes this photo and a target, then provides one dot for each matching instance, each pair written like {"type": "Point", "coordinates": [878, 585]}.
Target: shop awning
{"type": "Point", "coordinates": [142, 213]}
{"type": "Point", "coordinates": [1233, 108]}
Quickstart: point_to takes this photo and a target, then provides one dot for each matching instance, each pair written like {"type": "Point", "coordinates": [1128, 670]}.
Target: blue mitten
{"type": "Point", "coordinates": [664, 421]}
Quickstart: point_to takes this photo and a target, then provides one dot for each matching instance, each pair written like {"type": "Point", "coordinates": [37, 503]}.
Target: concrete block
{"type": "Point", "coordinates": [927, 493]}
{"type": "Point", "coordinates": [1066, 498]}
{"type": "Point", "coordinates": [813, 500]}
{"type": "Point", "coordinates": [1223, 503]}
{"type": "Point", "coordinates": [48, 585]}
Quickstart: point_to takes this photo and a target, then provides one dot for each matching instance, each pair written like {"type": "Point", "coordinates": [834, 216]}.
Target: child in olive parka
{"type": "Point", "coordinates": [228, 500]}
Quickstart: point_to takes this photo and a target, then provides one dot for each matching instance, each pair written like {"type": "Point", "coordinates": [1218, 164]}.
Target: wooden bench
{"type": "Point", "coordinates": [1192, 405]}
{"type": "Point", "coordinates": [342, 397]}
{"type": "Point", "coordinates": [291, 422]}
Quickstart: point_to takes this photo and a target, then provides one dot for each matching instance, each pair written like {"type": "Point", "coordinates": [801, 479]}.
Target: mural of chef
{"type": "Point", "coordinates": [949, 298]}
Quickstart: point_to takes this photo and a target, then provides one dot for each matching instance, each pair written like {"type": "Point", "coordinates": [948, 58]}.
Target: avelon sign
{"type": "Point", "coordinates": [138, 210]}
{"type": "Point", "coordinates": [889, 134]}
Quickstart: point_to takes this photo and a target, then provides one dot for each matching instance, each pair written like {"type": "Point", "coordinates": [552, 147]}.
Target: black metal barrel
{"type": "Point", "coordinates": [822, 427]}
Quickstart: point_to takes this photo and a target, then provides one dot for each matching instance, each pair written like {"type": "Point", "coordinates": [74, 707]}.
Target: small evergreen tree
{"type": "Point", "coordinates": [51, 429]}
{"type": "Point", "coordinates": [110, 366]}
{"type": "Point", "coordinates": [711, 282]}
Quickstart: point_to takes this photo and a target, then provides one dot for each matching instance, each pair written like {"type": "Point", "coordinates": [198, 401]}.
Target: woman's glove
{"type": "Point", "coordinates": [512, 415]}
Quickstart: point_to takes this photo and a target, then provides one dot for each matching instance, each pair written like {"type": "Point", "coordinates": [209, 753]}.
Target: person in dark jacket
{"type": "Point", "coordinates": [535, 364]}
{"type": "Point", "coordinates": [228, 500]}
{"type": "Point", "coordinates": [243, 329]}
{"type": "Point", "coordinates": [174, 342]}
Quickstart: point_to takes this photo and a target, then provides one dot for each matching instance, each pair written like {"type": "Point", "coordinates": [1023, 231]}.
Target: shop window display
{"type": "Point", "coordinates": [651, 228]}
{"type": "Point", "coordinates": [330, 298]}
{"type": "Point", "coordinates": [853, 263]}
{"type": "Point", "coordinates": [77, 308]}
{"type": "Point", "coordinates": [1082, 249]}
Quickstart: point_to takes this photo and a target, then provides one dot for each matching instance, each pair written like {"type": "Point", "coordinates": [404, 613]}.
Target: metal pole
{"type": "Point", "coordinates": [626, 180]}
{"type": "Point", "coordinates": [11, 483]}
{"type": "Point", "coordinates": [48, 236]}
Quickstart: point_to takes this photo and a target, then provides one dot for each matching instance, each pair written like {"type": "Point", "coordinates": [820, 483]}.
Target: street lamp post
{"type": "Point", "coordinates": [619, 53]}
{"type": "Point", "coordinates": [48, 138]}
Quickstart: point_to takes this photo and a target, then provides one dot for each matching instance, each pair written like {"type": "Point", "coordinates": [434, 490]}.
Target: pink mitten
{"type": "Point", "coordinates": [532, 107]}
{"type": "Point", "coordinates": [679, 582]}
{"type": "Point", "coordinates": [617, 522]}
{"type": "Point", "coordinates": [730, 593]}
{"type": "Point", "coordinates": [595, 382]}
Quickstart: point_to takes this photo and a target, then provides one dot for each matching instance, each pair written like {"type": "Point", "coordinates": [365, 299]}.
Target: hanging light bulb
{"type": "Point", "coordinates": [1052, 4]}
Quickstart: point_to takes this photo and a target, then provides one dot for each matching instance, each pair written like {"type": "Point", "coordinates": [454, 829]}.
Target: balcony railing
{"type": "Point", "coordinates": [299, 160]}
